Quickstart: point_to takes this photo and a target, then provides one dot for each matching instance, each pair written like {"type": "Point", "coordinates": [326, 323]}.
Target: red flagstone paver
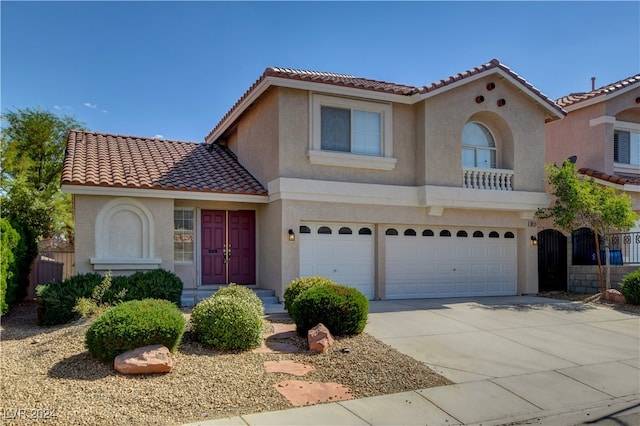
{"type": "Point", "coordinates": [300, 393]}
{"type": "Point", "coordinates": [288, 367]}
{"type": "Point", "coordinates": [281, 331]}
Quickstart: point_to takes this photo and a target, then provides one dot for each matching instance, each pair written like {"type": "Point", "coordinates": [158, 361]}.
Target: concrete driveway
{"type": "Point", "coordinates": [534, 355]}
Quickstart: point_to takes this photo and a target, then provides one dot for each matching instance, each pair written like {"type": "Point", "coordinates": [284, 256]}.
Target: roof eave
{"type": "Point", "coordinates": [555, 112]}
{"type": "Point", "coordinates": [77, 189]}
{"type": "Point", "coordinates": [312, 86]}
{"type": "Point", "coordinates": [600, 98]}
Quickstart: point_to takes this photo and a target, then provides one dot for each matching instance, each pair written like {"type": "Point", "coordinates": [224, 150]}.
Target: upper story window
{"type": "Point", "coordinates": [626, 147]}
{"type": "Point", "coordinates": [351, 133]}
{"type": "Point", "coordinates": [478, 147]}
{"type": "Point", "coordinates": [351, 130]}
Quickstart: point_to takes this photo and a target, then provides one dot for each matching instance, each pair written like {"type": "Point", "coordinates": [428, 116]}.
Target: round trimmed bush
{"type": "Point", "coordinates": [630, 287]}
{"type": "Point", "coordinates": [297, 286]}
{"type": "Point", "coordinates": [343, 310]}
{"type": "Point", "coordinates": [134, 324]}
{"type": "Point", "coordinates": [243, 293]}
{"type": "Point", "coordinates": [227, 322]}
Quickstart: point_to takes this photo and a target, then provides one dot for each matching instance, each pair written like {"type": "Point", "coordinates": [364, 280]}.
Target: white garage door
{"type": "Point", "coordinates": [450, 262]}
{"type": "Point", "coordinates": [341, 252]}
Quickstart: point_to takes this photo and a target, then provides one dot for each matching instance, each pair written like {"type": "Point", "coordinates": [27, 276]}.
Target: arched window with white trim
{"type": "Point", "coordinates": [478, 147]}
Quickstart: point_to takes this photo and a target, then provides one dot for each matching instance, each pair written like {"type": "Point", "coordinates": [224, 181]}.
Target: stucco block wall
{"type": "Point", "coordinates": [86, 211]}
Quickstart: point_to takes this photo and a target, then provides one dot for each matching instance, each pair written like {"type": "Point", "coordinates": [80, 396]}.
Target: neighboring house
{"type": "Point", "coordinates": [602, 131]}
{"type": "Point", "coordinates": [399, 191]}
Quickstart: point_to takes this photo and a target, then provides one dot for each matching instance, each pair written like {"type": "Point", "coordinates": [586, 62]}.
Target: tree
{"type": "Point", "coordinates": [33, 143]}
{"type": "Point", "coordinates": [581, 202]}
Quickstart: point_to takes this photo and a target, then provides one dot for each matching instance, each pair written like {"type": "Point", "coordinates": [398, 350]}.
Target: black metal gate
{"type": "Point", "coordinates": [552, 261]}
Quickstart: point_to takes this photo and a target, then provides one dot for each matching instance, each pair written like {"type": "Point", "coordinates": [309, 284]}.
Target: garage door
{"type": "Point", "coordinates": [447, 262]}
{"type": "Point", "coordinates": [341, 252]}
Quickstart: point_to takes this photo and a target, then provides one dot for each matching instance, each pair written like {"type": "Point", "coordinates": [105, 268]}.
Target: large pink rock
{"type": "Point", "coordinates": [613, 296]}
{"type": "Point", "coordinates": [147, 360]}
{"type": "Point", "coordinates": [319, 338]}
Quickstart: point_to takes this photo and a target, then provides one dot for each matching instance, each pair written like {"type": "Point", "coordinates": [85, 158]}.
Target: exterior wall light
{"type": "Point", "coordinates": [534, 240]}
{"type": "Point", "coordinates": [292, 235]}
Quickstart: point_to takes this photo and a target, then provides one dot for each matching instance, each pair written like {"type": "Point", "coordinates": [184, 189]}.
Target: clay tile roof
{"type": "Point", "coordinates": [100, 159]}
{"type": "Point", "coordinates": [619, 179]}
{"type": "Point", "coordinates": [494, 63]}
{"type": "Point", "coordinates": [351, 81]}
{"type": "Point", "coordinates": [575, 98]}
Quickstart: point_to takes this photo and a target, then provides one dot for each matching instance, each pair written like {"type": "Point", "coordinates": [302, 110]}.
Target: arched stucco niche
{"type": "Point", "coordinates": [502, 136]}
{"type": "Point", "coordinates": [631, 115]}
{"type": "Point", "coordinates": [124, 237]}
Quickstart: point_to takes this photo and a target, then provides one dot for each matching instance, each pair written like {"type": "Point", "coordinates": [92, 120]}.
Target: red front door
{"type": "Point", "coordinates": [228, 247]}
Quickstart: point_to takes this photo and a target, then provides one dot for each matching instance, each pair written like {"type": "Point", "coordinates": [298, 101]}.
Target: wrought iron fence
{"type": "Point", "coordinates": [627, 244]}
{"type": "Point", "coordinates": [624, 248]}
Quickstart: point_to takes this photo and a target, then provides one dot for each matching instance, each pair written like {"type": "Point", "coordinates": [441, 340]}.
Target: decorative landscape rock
{"type": "Point", "coordinates": [613, 295]}
{"type": "Point", "coordinates": [146, 360]}
{"type": "Point", "coordinates": [300, 393]}
{"type": "Point", "coordinates": [288, 367]}
{"type": "Point", "coordinates": [319, 338]}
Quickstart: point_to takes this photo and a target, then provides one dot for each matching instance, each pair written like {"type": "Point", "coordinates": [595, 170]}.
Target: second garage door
{"type": "Point", "coordinates": [341, 252]}
{"type": "Point", "coordinates": [449, 262]}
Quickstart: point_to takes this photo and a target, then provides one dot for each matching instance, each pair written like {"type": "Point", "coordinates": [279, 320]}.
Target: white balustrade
{"type": "Point", "coordinates": [496, 179]}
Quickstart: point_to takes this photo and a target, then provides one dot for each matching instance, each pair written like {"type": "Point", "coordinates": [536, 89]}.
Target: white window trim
{"type": "Point", "coordinates": [626, 126]}
{"type": "Point", "coordinates": [316, 155]}
{"type": "Point", "coordinates": [187, 262]}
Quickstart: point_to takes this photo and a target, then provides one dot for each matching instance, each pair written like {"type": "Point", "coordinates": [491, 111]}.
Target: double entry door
{"type": "Point", "coordinates": [228, 249]}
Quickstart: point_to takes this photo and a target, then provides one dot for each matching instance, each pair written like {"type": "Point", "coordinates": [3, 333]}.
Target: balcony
{"type": "Point", "coordinates": [495, 179]}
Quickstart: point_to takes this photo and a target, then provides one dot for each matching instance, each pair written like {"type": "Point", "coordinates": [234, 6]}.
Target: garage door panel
{"type": "Point", "coordinates": [345, 258]}
{"type": "Point", "coordinates": [453, 266]}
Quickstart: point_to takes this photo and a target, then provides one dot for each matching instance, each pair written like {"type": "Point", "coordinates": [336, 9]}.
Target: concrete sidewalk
{"type": "Point", "coordinates": [513, 359]}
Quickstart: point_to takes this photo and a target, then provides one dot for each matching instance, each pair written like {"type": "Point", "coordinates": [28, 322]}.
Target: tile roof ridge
{"type": "Point", "coordinates": [135, 137]}
{"type": "Point", "coordinates": [604, 176]}
{"type": "Point", "coordinates": [577, 97]}
{"type": "Point", "coordinates": [290, 72]}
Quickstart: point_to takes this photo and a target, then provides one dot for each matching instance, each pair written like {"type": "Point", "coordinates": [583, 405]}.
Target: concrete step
{"type": "Point", "coordinates": [190, 297]}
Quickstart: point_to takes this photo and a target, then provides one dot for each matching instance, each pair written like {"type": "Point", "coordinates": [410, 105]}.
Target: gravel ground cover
{"type": "Point", "coordinates": [593, 299]}
{"type": "Point", "coordinates": [48, 377]}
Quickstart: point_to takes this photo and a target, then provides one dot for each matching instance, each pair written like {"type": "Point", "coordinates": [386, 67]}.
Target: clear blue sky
{"type": "Point", "coordinates": [174, 69]}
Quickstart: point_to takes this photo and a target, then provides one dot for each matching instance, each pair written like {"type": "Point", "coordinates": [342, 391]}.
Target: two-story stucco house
{"type": "Point", "coordinates": [601, 132]}
{"type": "Point", "coordinates": [399, 191]}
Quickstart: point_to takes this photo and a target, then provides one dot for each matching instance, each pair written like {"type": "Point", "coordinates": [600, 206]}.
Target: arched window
{"type": "Point", "coordinates": [305, 229]}
{"type": "Point", "coordinates": [410, 233]}
{"type": "Point", "coordinates": [462, 234]}
{"type": "Point", "coordinates": [324, 230]}
{"type": "Point", "coordinates": [509, 235]}
{"type": "Point", "coordinates": [478, 234]}
{"type": "Point", "coordinates": [345, 231]}
{"type": "Point", "coordinates": [391, 231]}
{"type": "Point", "coordinates": [445, 233]}
{"type": "Point", "coordinates": [494, 234]}
{"type": "Point", "coordinates": [427, 233]}
{"type": "Point", "coordinates": [364, 231]}
{"type": "Point", "coordinates": [478, 147]}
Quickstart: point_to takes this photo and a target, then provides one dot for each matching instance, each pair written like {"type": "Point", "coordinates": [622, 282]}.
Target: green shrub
{"type": "Point", "coordinates": [630, 287]}
{"type": "Point", "coordinates": [97, 304]}
{"type": "Point", "coordinates": [297, 286]}
{"type": "Point", "coordinates": [135, 324]}
{"type": "Point", "coordinates": [55, 302]}
{"type": "Point", "coordinates": [227, 322]}
{"type": "Point", "coordinates": [155, 284]}
{"type": "Point", "coordinates": [343, 310]}
{"type": "Point", "coordinates": [8, 280]}
{"type": "Point", "coordinates": [243, 293]}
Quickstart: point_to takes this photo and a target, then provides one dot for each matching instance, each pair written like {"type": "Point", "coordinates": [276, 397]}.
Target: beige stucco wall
{"type": "Point", "coordinates": [383, 217]}
{"type": "Point", "coordinates": [86, 210]}
{"type": "Point", "coordinates": [517, 127]}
